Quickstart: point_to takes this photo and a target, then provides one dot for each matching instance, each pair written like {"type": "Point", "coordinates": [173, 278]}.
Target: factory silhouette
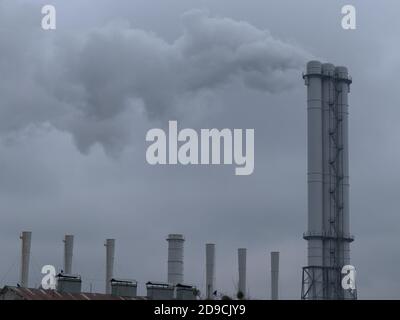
{"type": "Point", "coordinates": [69, 284]}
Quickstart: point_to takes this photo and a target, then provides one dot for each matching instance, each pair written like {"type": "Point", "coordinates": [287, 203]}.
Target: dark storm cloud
{"type": "Point", "coordinates": [84, 84]}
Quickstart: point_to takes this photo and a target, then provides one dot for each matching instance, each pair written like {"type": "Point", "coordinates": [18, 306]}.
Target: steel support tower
{"type": "Point", "coordinates": [328, 234]}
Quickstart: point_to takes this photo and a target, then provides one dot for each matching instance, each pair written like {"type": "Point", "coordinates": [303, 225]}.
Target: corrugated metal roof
{"type": "Point", "coordinates": [41, 294]}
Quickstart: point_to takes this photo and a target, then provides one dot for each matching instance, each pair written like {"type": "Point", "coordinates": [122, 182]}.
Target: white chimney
{"type": "Point", "coordinates": [110, 251]}
{"type": "Point", "coordinates": [175, 258]}
{"type": "Point", "coordinates": [68, 253]}
{"type": "Point", "coordinates": [25, 255]}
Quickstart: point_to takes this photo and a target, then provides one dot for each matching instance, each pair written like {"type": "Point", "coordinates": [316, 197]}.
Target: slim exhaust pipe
{"type": "Point", "coordinates": [274, 275]}
{"type": "Point", "coordinates": [25, 256]}
{"type": "Point", "coordinates": [242, 253]}
{"type": "Point", "coordinates": [210, 270]}
{"type": "Point", "coordinates": [110, 253]}
{"type": "Point", "coordinates": [68, 253]}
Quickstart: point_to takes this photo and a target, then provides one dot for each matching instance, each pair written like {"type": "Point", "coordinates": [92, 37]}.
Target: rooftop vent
{"type": "Point", "coordinates": [159, 291]}
{"type": "Point", "coordinates": [185, 292]}
{"type": "Point", "coordinates": [69, 283]}
{"type": "Point", "coordinates": [124, 288]}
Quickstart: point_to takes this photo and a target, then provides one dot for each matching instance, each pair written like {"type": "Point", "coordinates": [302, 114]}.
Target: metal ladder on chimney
{"type": "Point", "coordinates": [335, 181]}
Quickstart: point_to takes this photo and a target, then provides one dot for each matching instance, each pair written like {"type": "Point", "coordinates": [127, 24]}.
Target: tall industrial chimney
{"type": "Point", "coordinates": [110, 252]}
{"type": "Point", "coordinates": [242, 252]}
{"type": "Point", "coordinates": [25, 255]}
{"type": "Point", "coordinates": [274, 275]}
{"type": "Point", "coordinates": [175, 258]}
{"type": "Point", "coordinates": [328, 232]}
{"type": "Point", "coordinates": [68, 253]}
{"type": "Point", "coordinates": [210, 270]}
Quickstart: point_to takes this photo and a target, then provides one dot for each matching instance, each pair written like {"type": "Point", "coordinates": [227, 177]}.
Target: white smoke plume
{"type": "Point", "coordinates": [88, 84]}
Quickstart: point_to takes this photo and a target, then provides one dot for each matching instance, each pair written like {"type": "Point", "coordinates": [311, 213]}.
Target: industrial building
{"type": "Point", "coordinates": [68, 285]}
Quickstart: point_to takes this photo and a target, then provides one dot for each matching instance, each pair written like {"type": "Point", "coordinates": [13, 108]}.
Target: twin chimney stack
{"type": "Point", "coordinates": [328, 233]}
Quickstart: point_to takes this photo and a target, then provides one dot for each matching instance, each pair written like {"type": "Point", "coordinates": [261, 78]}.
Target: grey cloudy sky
{"type": "Point", "coordinates": [76, 103]}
